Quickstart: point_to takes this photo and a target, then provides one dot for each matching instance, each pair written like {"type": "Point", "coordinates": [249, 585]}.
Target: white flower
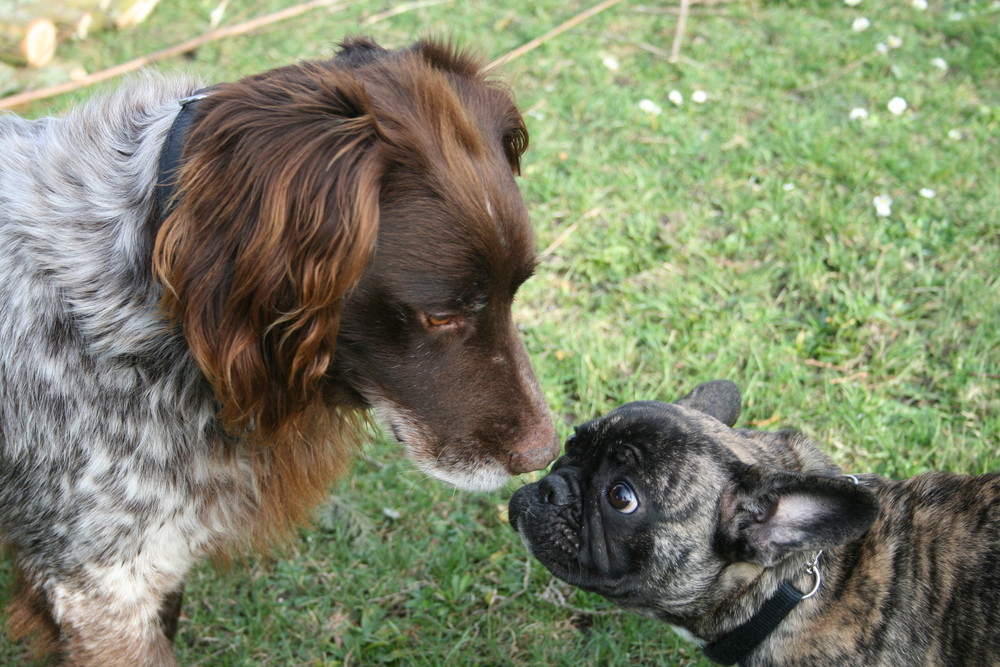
{"type": "Point", "coordinates": [861, 24]}
{"type": "Point", "coordinates": [927, 193]}
{"type": "Point", "coordinates": [882, 48]}
{"type": "Point", "coordinates": [852, 3]}
{"type": "Point", "coordinates": [940, 63]}
{"type": "Point", "coordinates": [699, 97]}
{"type": "Point", "coordinates": [954, 135]}
{"type": "Point", "coordinates": [857, 113]}
{"type": "Point", "coordinates": [920, 5]}
{"type": "Point", "coordinates": [956, 16]}
{"type": "Point", "coordinates": [896, 106]}
{"type": "Point", "coordinates": [883, 205]}
{"type": "Point", "coordinates": [894, 42]}
{"type": "Point", "coordinates": [650, 107]}
{"type": "Point", "coordinates": [675, 97]}
{"type": "Point", "coordinates": [788, 187]}
{"type": "Point", "coordinates": [611, 63]}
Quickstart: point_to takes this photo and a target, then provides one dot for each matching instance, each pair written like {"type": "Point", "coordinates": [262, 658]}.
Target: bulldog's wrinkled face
{"type": "Point", "coordinates": [630, 510]}
{"type": "Point", "coordinates": [665, 509]}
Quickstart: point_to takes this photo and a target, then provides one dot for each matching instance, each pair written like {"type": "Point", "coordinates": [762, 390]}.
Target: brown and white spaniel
{"type": "Point", "coordinates": [198, 298]}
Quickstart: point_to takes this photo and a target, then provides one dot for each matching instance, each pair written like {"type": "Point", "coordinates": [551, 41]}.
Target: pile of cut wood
{"type": "Point", "coordinates": [31, 30]}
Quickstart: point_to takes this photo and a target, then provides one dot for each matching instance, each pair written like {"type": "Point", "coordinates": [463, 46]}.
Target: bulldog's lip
{"type": "Point", "coordinates": [591, 580]}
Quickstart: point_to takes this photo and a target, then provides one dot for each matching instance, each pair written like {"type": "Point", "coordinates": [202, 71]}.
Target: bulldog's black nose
{"type": "Point", "coordinates": [555, 490]}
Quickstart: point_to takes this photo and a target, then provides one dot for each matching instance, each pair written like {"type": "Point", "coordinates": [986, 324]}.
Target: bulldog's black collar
{"type": "Point", "coordinates": [733, 647]}
{"type": "Point", "coordinates": [170, 153]}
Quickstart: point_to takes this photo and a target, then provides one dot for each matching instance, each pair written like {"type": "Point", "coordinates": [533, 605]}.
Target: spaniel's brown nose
{"type": "Point", "coordinates": [533, 458]}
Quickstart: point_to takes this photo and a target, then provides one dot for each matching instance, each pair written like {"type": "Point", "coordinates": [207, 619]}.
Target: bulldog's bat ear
{"type": "Point", "coordinates": [769, 514]}
{"type": "Point", "coordinates": [718, 398]}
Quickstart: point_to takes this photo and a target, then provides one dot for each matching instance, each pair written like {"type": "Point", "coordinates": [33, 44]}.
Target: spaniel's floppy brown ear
{"type": "Point", "coordinates": [276, 219]}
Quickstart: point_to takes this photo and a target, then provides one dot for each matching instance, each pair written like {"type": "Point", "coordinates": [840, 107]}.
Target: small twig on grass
{"type": "Point", "coordinates": [816, 363]}
{"type": "Point", "coordinates": [558, 30]}
{"type": "Point", "coordinates": [177, 49]}
{"type": "Point", "coordinates": [682, 15]}
{"type": "Point", "coordinates": [402, 9]}
{"type": "Point", "coordinates": [773, 419]}
{"type": "Point", "coordinates": [645, 9]}
{"type": "Point", "coordinates": [566, 233]}
{"type": "Point", "coordinates": [643, 46]}
{"type": "Point", "coordinates": [649, 48]}
{"type": "Point", "coordinates": [850, 67]}
{"type": "Point", "coordinates": [559, 240]}
{"type": "Point", "coordinates": [860, 375]}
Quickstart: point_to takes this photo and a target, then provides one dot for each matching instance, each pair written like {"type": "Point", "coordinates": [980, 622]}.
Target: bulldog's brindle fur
{"type": "Point", "coordinates": [346, 234]}
{"type": "Point", "coordinates": [713, 519]}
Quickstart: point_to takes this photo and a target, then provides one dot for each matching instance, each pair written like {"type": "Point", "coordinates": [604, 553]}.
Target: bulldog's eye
{"type": "Point", "coordinates": [622, 498]}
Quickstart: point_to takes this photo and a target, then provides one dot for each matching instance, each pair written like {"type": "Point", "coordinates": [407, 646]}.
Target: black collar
{"type": "Point", "coordinates": [170, 153]}
{"type": "Point", "coordinates": [736, 645]}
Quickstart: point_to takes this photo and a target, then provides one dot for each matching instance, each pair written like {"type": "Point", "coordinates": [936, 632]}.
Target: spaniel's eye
{"type": "Point", "coordinates": [440, 321]}
{"type": "Point", "coordinates": [622, 498]}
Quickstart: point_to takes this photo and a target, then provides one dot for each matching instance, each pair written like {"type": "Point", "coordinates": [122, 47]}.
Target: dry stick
{"type": "Point", "coordinates": [558, 30]}
{"type": "Point", "coordinates": [643, 46]}
{"type": "Point", "coordinates": [642, 9]}
{"type": "Point", "coordinates": [849, 67]}
{"type": "Point", "coordinates": [183, 47]}
{"type": "Point", "coordinates": [403, 8]}
{"type": "Point", "coordinates": [566, 233]}
{"type": "Point", "coordinates": [682, 15]}
{"type": "Point", "coordinates": [254, 24]}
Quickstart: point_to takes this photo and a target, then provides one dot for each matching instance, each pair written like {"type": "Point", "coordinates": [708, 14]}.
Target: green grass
{"type": "Point", "coordinates": [735, 238]}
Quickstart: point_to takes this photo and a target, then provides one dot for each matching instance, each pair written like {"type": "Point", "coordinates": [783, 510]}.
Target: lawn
{"type": "Point", "coordinates": [724, 216]}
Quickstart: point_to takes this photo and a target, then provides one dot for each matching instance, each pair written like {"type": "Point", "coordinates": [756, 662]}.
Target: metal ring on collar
{"type": "Point", "coordinates": [813, 569]}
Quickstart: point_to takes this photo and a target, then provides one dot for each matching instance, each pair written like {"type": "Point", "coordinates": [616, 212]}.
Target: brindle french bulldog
{"type": "Point", "coordinates": [757, 546]}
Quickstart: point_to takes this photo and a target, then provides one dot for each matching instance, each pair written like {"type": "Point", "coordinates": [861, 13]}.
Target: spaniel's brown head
{"type": "Point", "coordinates": [349, 233]}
